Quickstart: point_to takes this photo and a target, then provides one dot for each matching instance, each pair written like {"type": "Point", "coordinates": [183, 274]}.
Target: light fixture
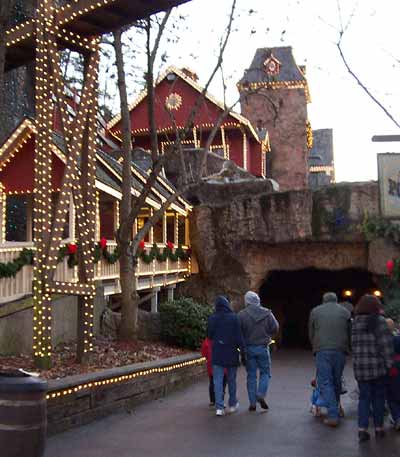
{"type": "Point", "coordinates": [377, 293]}
{"type": "Point", "coordinates": [171, 77]}
{"type": "Point", "coordinates": [347, 293]}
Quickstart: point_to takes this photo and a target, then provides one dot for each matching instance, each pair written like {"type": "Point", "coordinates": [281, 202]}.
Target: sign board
{"type": "Point", "coordinates": [389, 184]}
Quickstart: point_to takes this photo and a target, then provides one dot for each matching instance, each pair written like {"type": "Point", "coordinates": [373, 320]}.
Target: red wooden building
{"type": "Point", "coordinates": [176, 93]}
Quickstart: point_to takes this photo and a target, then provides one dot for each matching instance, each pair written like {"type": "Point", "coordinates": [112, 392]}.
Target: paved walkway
{"type": "Point", "coordinates": [182, 425]}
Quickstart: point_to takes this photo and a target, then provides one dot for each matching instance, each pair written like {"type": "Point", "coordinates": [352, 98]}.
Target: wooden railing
{"type": "Point", "coordinates": [153, 274]}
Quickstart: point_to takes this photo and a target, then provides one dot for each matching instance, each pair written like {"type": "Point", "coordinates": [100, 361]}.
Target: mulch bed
{"type": "Point", "coordinates": [106, 354]}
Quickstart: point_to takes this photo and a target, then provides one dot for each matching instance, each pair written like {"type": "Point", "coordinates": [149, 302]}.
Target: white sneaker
{"type": "Point", "coordinates": [220, 412]}
{"type": "Point", "coordinates": [233, 409]}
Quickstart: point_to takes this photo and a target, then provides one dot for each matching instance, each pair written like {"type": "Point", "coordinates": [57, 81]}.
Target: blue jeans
{"type": "Point", "coordinates": [258, 358]}
{"type": "Point", "coordinates": [372, 396]}
{"type": "Point", "coordinates": [330, 366]}
{"type": "Point", "coordinates": [218, 375]}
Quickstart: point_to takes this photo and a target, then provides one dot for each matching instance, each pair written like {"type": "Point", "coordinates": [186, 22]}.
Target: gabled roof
{"type": "Point", "coordinates": [182, 75]}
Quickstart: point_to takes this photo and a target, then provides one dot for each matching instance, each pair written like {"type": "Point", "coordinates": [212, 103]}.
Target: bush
{"type": "Point", "coordinates": [184, 322]}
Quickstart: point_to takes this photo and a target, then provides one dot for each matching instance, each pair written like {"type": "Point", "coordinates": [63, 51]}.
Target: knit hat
{"type": "Point", "coordinates": [251, 298]}
{"type": "Point", "coordinates": [329, 297]}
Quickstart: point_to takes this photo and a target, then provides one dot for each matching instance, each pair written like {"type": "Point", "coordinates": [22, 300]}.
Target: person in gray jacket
{"type": "Point", "coordinates": [258, 326]}
{"type": "Point", "coordinates": [329, 328]}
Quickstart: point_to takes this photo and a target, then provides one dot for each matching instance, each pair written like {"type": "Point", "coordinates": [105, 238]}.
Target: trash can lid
{"type": "Point", "coordinates": [19, 381]}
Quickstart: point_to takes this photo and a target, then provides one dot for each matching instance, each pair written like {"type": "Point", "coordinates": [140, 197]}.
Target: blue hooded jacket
{"type": "Point", "coordinates": [225, 333]}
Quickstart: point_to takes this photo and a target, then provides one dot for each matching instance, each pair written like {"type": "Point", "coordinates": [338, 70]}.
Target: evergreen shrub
{"type": "Point", "coordinates": [184, 322]}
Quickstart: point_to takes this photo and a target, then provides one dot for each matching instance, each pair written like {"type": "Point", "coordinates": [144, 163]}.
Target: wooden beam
{"type": "Point", "coordinates": [84, 18]}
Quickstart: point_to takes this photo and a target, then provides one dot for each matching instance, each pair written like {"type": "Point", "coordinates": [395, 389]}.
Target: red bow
{"type": "Point", "coordinates": [389, 267]}
{"type": "Point", "coordinates": [170, 245]}
{"type": "Point", "coordinates": [72, 248]}
{"type": "Point", "coordinates": [141, 245]}
{"type": "Point", "coordinates": [103, 243]}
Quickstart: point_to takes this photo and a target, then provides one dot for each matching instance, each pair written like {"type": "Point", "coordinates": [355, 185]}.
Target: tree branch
{"type": "Point", "coordinates": [359, 82]}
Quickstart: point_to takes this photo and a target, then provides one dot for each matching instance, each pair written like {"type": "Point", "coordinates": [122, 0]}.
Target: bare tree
{"type": "Point", "coordinates": [130, 209]}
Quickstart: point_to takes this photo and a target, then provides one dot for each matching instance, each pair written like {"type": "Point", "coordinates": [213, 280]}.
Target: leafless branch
{"type": "Point", "coordinates": [151, 56]}
{"type": "Point", "coordinates": [361, 84]}
{"type": "Point", "coordinates": [174, 148]}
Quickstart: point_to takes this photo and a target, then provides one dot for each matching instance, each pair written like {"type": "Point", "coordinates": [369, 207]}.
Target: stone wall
{"type": "Point", "coordinates": [78, 400]}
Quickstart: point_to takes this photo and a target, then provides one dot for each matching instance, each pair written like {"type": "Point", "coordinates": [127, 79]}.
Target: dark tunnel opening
{"type": "Point", "coordinates": [292, 294]}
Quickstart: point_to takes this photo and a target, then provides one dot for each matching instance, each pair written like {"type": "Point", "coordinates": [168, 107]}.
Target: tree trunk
{"type": "Point", "coordinates": [129, 297]}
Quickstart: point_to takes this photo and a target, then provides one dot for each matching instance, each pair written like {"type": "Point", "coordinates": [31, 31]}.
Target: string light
{"type": "Point", "coordinates": [243, 121]}
{"type": "Point", "coordinates": [124, 378]}
{"type": "Point", "coordinates": [274, 85]}
{"type": "Point", "coordinates": [244, 150]}
{"type": "Point", "coordinates": [51, 27]}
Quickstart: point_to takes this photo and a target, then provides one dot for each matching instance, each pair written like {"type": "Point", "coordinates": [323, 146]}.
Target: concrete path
{"type": "Point", "coordinates": [182, 425]}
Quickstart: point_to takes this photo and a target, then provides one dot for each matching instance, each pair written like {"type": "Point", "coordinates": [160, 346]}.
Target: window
{"type": "Point", "coordinates": [181, 230]}
{"type": "Point", "coordinates": [17, 213]}
{"type": "Point", "coordinates": [141, 220]}
{"type": "Point", "coordinates": [107, 216]}
{"type": "Point", "coordinates": [171, 227]}
{"type": "Point", "coordinates": [158, 231]}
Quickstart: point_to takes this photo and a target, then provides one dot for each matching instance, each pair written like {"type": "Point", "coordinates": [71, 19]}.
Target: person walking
{"type": "Point", "coordinates": [393, 381]}
{"type": "Point", "coordinates": [372, 348]}
{"type": "Point", "coordinates": [258, 325]}
{"type": "Point", "coordinates": [227, 340]}
{"type": "Point", "coordinates": [206, 352]}
{"type": "Point", "coordinates": [329, 332]}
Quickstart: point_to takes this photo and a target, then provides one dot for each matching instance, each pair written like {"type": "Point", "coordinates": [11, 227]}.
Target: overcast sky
{"type": "Point", "coordinates": [311, 27]}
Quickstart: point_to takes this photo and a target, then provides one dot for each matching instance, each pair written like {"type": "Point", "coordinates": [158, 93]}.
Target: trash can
{"type": "Point", "coordinates": [23, 414]}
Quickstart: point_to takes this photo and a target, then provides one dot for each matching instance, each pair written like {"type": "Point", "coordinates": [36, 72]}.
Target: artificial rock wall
{"type": "Point", "coordinates": [237, 242]}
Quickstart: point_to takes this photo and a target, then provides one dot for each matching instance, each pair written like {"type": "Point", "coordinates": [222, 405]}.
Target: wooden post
{"type": "Point", "coordinates": [80, 141]}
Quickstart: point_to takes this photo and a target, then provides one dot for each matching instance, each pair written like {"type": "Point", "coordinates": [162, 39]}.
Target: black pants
{"type": "Point", "coordinates": [211, 388]}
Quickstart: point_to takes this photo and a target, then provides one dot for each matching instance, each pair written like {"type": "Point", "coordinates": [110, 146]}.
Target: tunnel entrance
{"type": "Point", "coordinates": [292, 294]}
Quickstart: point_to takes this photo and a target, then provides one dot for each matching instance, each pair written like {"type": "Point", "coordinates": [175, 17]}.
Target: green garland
{"type": "Point", "coordinates": [161, 256]}
{"type": "Point", "coordinates": [10, 269]}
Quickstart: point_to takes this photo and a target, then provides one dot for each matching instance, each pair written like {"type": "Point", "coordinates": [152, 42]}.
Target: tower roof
{"type": "Point", "coordinates": [274, 68]}
{"type": "Point", "coordinates": [289, 70]}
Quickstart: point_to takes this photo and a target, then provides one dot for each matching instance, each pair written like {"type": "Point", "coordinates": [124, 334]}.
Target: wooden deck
{"type": "Point", "coordinates": [148, 276]}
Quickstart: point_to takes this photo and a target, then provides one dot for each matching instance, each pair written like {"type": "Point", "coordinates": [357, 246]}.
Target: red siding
{"type": "Point", "coordinates": [207, 114]}
{"type": "Point", "coordinates": [18, 175]}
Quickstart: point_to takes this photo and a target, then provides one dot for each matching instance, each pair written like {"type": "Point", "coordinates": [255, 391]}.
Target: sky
{"type": "Point", "coordinates": [370, 43]}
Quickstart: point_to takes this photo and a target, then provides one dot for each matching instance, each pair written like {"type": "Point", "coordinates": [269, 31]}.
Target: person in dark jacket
{"type": "Point", "coordinates": [258, 325]}
{"type": "Point", "coordinates": [227, 340]}
{"type": "Point", "coordinates": [372, 347]}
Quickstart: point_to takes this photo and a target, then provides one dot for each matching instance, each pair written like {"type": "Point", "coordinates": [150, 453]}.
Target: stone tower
{"type": "Point", "coordinates": [274, 96]}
